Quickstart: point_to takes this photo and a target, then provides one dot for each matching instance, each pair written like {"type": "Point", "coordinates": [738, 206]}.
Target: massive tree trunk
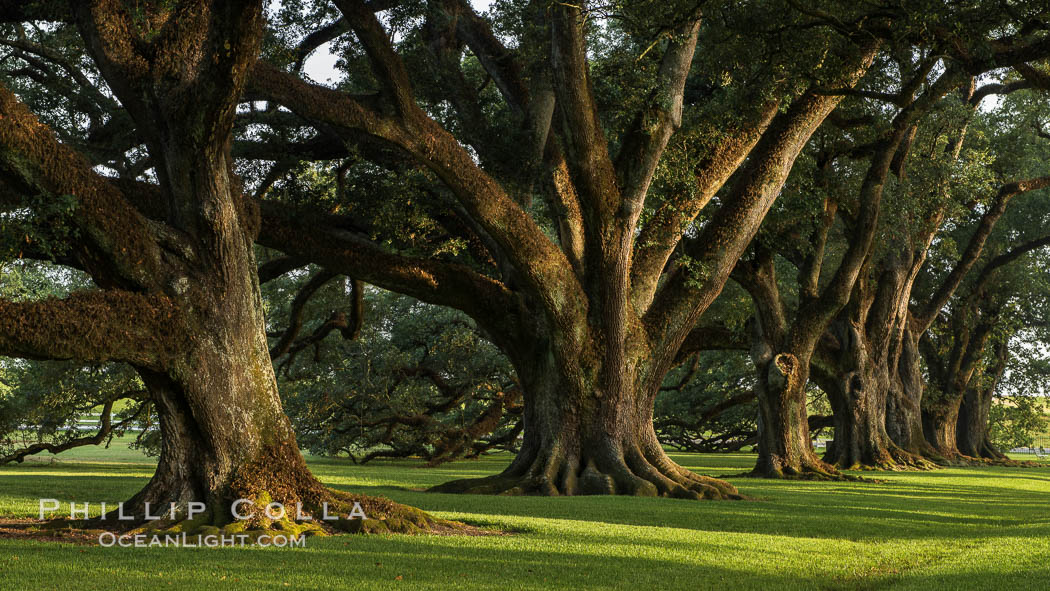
{"type": "Point", "coordinates": [975, 411]}
{"type": "Point", "coordinates": [784, 446]}
{"type": "Point", "coordinates": [904, 400]}
{"type": "Point", "coordinates": [972, 429]}
{"type": "Point", "coordinates": [940, 418]}
{"type": "Point", "coordinates": [589, 431]}
{"type": "Point", "coordinates": [858, 402]}
{"type": "Point", "coordinates": [955, 369]}
{"type": "Point", "coordinates": [858, 389]}
{"type": "Point", "coordinates": [224, 433]}
{"type": "Point", "coordinates": [179, 296]}
{"type": "Point", "coordinates": [591, 326]}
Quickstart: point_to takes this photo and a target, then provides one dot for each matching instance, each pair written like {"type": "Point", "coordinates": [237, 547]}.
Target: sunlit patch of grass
{"type": "Point", "coordinates": [955, 528]}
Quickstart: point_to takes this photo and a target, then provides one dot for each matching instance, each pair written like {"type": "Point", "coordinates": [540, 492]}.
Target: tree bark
{"type": "Point", "coordinates": [784, 446]}
{"type": "Point", "coordinates": [585, 434]}
{"type": "Point", "coordinates": [940, 418]}
{"type": "Point", "coordinates": [972, 429]}
{"type": "Point", "coordinates": [904, 401]}
{"type": "Point", "coordinates": [179, 296]}
{"type": "Point", "coordinates": [858, 393]}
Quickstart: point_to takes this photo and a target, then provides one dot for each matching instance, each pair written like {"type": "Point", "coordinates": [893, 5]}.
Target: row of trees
{"type": "Point", "coordinates": [581, 181]}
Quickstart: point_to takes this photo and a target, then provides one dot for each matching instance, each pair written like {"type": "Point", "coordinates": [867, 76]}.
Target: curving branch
{"type": "Point", "coordinates": [106, 429]}
{"type": "Point", "coordinates": [340, 251]}
{"type": "Point", "coordinates": [107, 325]}
{"type": "Point", "coordinates": [647, 139]}
{"type": "Point", "coordinates": [660, 235]}
{"type": "Point", "coordinates": [682, 299]}
{"type": "Point", "coordinates": [545, 269]}
{"type": "Point", "coordinates": [928, 313]}
{"type": "Point", "coordinates": [123, 248]}
{"type": "Point", "coordinates": [295, 315]}
{"type": "Point", "coordinates": [1006, 258]}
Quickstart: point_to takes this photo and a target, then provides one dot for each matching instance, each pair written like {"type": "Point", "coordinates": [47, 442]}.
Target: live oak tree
{"type": "Point", "coordinates": [863, 343]}
{"type": "Point", "coordinates": [966, 346]}
{"type": "Point", "coordinates": [786, 336]}
{"type": "Point", "coordinates": [602, 253]}
{"type": "Point", "coordinates": [177, 292]}
{"type": "Point", "coordinates": [615, 263]}
{"type": "Point", "coordinates": [415, 381]}
{"type": "Point", "coordinates": [870, 361]}
{"type": "Point", "coordinates": [967, 349]}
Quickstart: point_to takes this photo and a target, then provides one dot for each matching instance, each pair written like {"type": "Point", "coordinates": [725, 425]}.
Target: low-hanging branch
{"type": "Point", "coordinates": [106, 429]}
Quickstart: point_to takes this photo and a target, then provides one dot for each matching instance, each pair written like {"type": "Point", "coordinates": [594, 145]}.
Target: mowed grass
{"type": "Point", "coordinates": [976, 528]}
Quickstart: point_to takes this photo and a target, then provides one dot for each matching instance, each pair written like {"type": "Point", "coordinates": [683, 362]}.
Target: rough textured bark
{"type": "Point", "coordinates": [582, 437]}
{"type": "Point", "coordinates": [904, 399]}
{"type": "Point", "coordinates": [784, 446]}
{"type": "Point", "coordinates": [781, 354]}
{"type": "Point", "coordinates": [856, 373]}
{"type": "Point", "coordinates": [870, 369]}
{"type": "Point", "coordinates": [972, 429]}
{"type": "Point", "coordinates": [785, 344]}
{"type": "Point", "coordinates": [955, 369]}
{"type": "Point", "coordinates": [179, 296]}
{"type": "Point", "coordinates": [590, 347]}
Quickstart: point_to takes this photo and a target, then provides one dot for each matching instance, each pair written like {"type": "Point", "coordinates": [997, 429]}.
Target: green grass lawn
{"type": "Point", "coordinates": [986, 528]}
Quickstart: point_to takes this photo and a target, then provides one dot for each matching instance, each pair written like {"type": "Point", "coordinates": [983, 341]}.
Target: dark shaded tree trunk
{"type": "Point", "coordinates": [179, 296]}
{"type": "Point", "coordinates": [781, 356]}
{"type": "Point", "coordinates": [954, 374]}
{"type": "Point", "coordinates": [956, 416]}
{"type": "Point", "coordinates": [785, 449]}
{"type": "Point", "coordinates": [587, 434]}
{"type": "Point", "coordinates": [972, 430]}
{"type": "Point", "coordinates": [591, 326]}
{"type": "Point", "coordinates": [904, 400]}
{"type": "Point", "coordinates": [940, 419]}
{"type": "Point", "coordinates": [858, 403]}
{"type": "Point", "coordinates": [975, 411]}
{"type": "Point", "coordinates": [858, 390]}
{"type": "Point", "coordinates": [784, 348]}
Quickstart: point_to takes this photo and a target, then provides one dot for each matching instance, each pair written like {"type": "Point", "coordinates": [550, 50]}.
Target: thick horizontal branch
{"type": "Point", "coordinates": [34, 162]}
{"type": "Point", "coordinates": [105, 325]}
{"type": "Point", "coordinates": [307, 237]}
{"type": "Point", "coordinates": [545, 269]}
{"type": "Point", "coordinates": [714, 338]}
{"type": "Point", "coordinates": [279, 266]}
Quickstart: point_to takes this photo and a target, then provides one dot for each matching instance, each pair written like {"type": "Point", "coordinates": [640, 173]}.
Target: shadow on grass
{"type": "Point", "coordinates": [909, 506]}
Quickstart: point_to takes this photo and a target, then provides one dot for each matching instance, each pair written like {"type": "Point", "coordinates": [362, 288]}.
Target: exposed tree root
{"type": "Point", "coordinates": [637, 474]}
{"type": "Point", "coordinates": [962, 460]}
{"type": "Point", "coordinates": [810, 468]}
{"type": "Point", "coordinates": [805, 466]}
{"type": "Point", "coordinates": [892, 459]}
{"type": "Point", "coordinates": [301, 505]}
